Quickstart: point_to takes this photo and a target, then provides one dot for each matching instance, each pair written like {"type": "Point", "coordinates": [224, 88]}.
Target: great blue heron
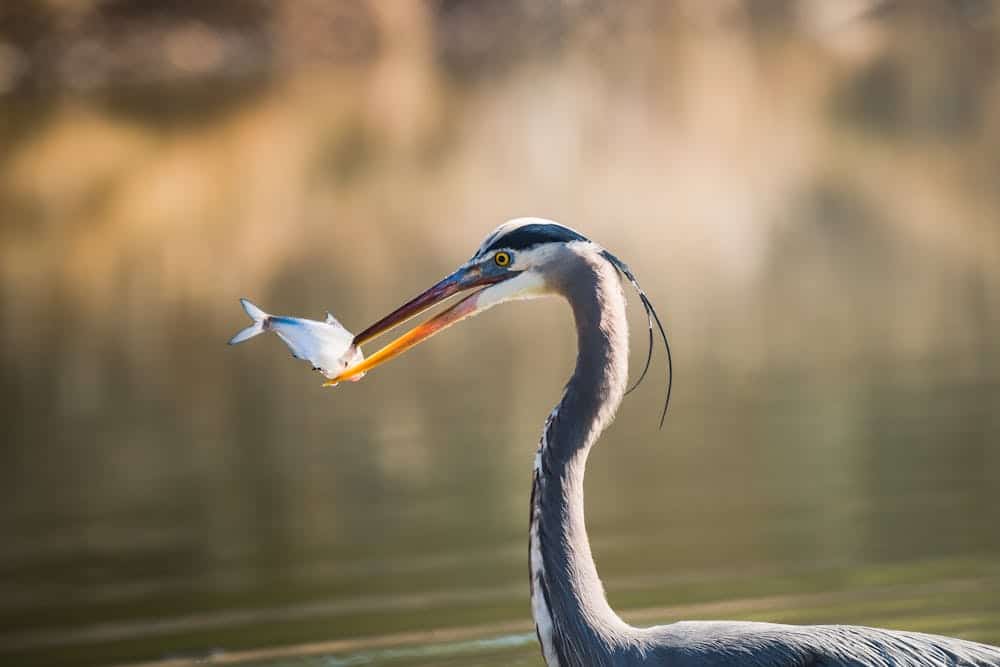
{"type": "Point", "coordinates": [531, 257]}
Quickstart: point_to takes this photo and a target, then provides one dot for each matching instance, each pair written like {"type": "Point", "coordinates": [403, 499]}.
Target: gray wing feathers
{"type": "Point", "coordinates": [699, 644]}
{"type": "Point", "coordinates": [851, 645]}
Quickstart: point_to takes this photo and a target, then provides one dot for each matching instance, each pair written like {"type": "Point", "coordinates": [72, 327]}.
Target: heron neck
{"type": "Point", "coordinates": [572, 616]}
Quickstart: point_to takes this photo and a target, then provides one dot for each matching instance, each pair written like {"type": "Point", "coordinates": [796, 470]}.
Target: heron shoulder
{"type": "Point", "coordinates": [726, 643]}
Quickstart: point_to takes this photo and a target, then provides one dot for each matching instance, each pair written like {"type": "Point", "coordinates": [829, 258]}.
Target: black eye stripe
{"type": "Point", "coordinates": [530, 235]}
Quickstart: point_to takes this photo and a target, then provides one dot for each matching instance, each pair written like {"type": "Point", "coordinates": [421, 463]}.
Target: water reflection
{"type": "Point", "coordinates": [825, 257]}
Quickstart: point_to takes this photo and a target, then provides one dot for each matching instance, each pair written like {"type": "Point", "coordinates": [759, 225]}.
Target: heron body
{"type": "Point", "coordinates": [574, 622]}
{"type": "Point", "coordinates": [576, 626]}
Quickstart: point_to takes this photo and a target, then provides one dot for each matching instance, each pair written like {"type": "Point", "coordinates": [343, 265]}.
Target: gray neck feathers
{"type": "Point", "coordinates": [574, 621]}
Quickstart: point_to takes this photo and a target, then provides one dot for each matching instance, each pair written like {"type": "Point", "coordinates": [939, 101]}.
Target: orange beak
{"type": "Point", "coordinates": [466, 278]}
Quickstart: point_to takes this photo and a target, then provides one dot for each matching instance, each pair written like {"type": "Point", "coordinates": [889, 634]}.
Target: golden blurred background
{"type": "Point", "coordinates": [809, 191]}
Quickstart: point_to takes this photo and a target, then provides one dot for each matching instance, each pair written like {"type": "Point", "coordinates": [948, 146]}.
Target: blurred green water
{"type": "Point", "coordinates": [797, 502]}
{"type": "Point", "coordinates": [825, 258]}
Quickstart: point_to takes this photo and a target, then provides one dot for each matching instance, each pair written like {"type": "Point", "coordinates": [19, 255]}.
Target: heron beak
{"type": "Point", "coordinates": [466, 278]}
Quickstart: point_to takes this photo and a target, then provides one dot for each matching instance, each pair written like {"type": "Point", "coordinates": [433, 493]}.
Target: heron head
{"type": "Point", "coordinates": [521, 259]}
{"type": "Point", "coordinates": [512, 263]}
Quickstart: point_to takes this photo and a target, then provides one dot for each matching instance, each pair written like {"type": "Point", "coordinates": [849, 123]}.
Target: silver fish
{"type": "Point", "coordinates": [328, 346]}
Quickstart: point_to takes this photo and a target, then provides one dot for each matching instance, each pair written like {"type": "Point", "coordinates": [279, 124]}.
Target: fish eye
{"type": "Point", "coordinates": [502, 259]}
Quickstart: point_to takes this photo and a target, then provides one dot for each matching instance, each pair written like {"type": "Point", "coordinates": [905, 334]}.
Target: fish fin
{"type": "Point", "coordinates": [330, 319]}
{"type": "Point", "coordinates": [259, 318]}
{"type": "Point", "coordinates": [255, 313]}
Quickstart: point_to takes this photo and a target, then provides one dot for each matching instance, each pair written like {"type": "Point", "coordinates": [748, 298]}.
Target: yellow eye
{"type": "Point", "coordinates": [502, 259]}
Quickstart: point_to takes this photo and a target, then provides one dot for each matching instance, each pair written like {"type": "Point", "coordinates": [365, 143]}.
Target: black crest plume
{"type": "Point", "coordinates": [651, 317]}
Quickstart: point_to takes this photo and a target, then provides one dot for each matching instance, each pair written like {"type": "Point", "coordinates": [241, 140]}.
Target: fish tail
{"type": "Point", "coordinates": [259, 318]}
